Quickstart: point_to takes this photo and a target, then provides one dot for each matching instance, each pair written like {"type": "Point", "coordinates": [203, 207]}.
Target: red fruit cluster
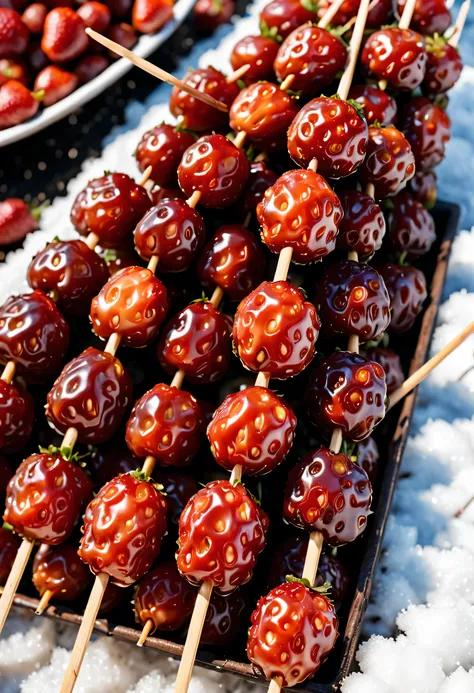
{"type": "Point", "coordinates": [379, 107]}
{"type": "Point", "coordinates": [258, 52]}
{"type": "Point", "coordinates": [389, 163]}
{"type": "Point", "coordinates": [225, 617]}
{"type": "Point", "coordinates": [397, 56]}
{"type": "Point", "coordinates": [162, 148]}
{"type": "Point", "coordinates": [362, 227]}
{"type": "Point", "coordinates": [407, 289]}
{"type": "Point", "coordinates": [280, 17]}
{"type": "Point", "coordinates": [443, 68]}
{"type": "Point", "coordinates": [59, 570]}
{"type": "Point", "coordinates": [411, 228]}
{"type": "Point", "coordinates": [165, 598]}
{"type": "Point", "coordinates": [390, 362]}
{"type": "Point", "coordinates": [428, 130]}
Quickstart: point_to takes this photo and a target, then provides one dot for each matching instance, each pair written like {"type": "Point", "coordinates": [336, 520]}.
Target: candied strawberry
{"type": "Point", "coordinates": [16, 220]}
{"type": "Point", "coordinates": [197, 340]}
{"type": "Point", "coordinates": [14, 35]}
{"type": "Point", "coordinates": [13, 69]}
{"type": "Point", "coordinates": [179, 488]}
{"type": "Point", "coordinates": [389, 163]}
{"type": "Point", "coordinates": [313, 56]}
{"type": "Point", "coordinates": [214, 167]}
{"type": "Point", "coordinates": [264, 112]}
{"type": "Point", "coordinates": [64, 37]}
{"type": "Point", "coordinates": [17, 415]}
{"type": "Point", "coordinates": [167, 424]}
{"type": "Point", "coordinates": [331, 131]}
{"type": "Point", "coordinates": [46, 498]}
{"type": "Point", "coordinates": [258, 52]}
{"type": "Point", "coordinates": [397, 56]}
{"type": "Point", "coordinates": [411, 228]}
{"type": "Point", "coordinates": [159, 194]}
{"type": "Point", "coordinates": [164, 597]}
{"type": "Point", "coordinates": [92, 394]}
{"type": "Point", "coordinates": [275, 330]}
{"type": "Point", "coordinates": [260, 178]}
{"type": "Point", "coordinates": [443, 68]}
{"type": "Point", "coordinates": [378, 106]}
{"type": "Point", "coordinates": [390, 362]}
{"type": "Point", "coordinates": [71, 271]}
{"type": "Point", "coordinates": [292, 648]}
{"type": "Point", "coordinates": [199, 116]}
{"type": "Point", "coordinates": [253, 428]}
{"type": "Point", "coordinates": [90, 67]}
{"type": "Point", "coordinates": [56, 84]}
{"type": "Point", "coordinates": [162, 148]}
{"type": "Point", "coordinates": [173, 231]}
{"type": "Point", "coordinates": [326, 492]}
{"type": "Point", "coordinates": [428, 130]}
{"type": "Point", "coordinates": [380, 14]}
{"type": "Point", "coordinates": [408, 292]}
{"type": "Point", "coordinates": [280, 17]}
{"type": "Point", "coordinates": [123, 528]}
{"type": "Point", "coordinates": [368, 457]}
{"type": "Point", "coordinates": [149, 16]}
{"type": "Point", "coordinates": [232, 260]}
{"type": "Point", "coordinates": [362, 227]}
{"type": "Point", "coordinates": [111, 207]}
{"type": "Point", "coordinates": [347, 391]}
{"type": "Point", "coordinates": [300, 211]}
{"type": "Point", "coordinates": [211, 544]}
{"type": "Point", "coordinates": [429, 16]}
{"type": "Point", "coordinates": [424, 188]}
{"type": "Point", "coordinates": [210, 14]}
{"type": "Point", "coordinates": [132, 304]}
{"type": "Point", "coordinates": [34, 334]}
{"type": "Point", "coordinates": [124, 34]}
{"type": "Point", "coordinates": [17, 104]}
{"type": "Point", "coordinates": [352, 299]}
{"type": "Point", "coordinates": [9, 545]}
{"type": "Point", "coordinates": [95, 15]}
{"type": "Point", "coordinates": [225, 618]}
{"type": "Point", "coordinates": [33, 17]}
{"type": "Point", "coordinates": [59, 570]}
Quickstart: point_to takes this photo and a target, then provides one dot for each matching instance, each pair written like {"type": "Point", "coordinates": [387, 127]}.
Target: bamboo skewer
{"type": "Point", "coordinates": [11, 586]}
{"type": "Point", "coordinates": [459, 25]}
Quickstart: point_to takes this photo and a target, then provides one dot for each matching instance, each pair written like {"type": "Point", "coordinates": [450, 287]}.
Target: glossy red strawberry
{"type": "Point", "coordinates": [368, 458]}
{"type": "Point", "coordinates": [214, 167]}
{"type": "Point", "coordinates": [64, 36]}
{"type": "Point", "coordinates": [92, 394]}
{"type": "Point", "coordinates": [179, 488]}
{"type": "Point", "coordinates": [149, 16]}
{"type": "Point", "coordinates": [46, 497]}
{"type": "Point", "coordinates": [428, 130]}
{"type": "Point", "coordinates": [34, 334]}
{"type": "Point", "coordinates": [429, 16]}
{"type": "Point", "coordinates": [17, 414]}
{"type": "Point", "coordinates": [13, 69]}
{"type": "Point", "coordinates": [232, 260]}
{"type": "Point", "coordinates": [123, 529]}
{"type": "Point", "coordinates": [292, 648]}
{"type": "Point", "coordinates": [260, 178]}
{"type": "Point", "coordinates": [408, 292]}
{"type": "Point", "coordinates": [313, 56]}
{"type": "Point", "coordinates": [14, 35]}
{"type": "Point", "coordinates": [71, 272]}
{"type": "Point", "coordinates": [173, 231]}
{"type": "Point", "coordinates": [16, 220]}
{"type": "Point", "coordinates": [162, 148]}
{"type": "Point", "coordinates": [331, 131]}
{"type": "Point", "coordinates": [164, 597]}
{"type": "Point", "coordinates": [200, 116]}
{"type": "Point", "coordinates": [95, 15]}
{"type": "Point", "coordinates": [132, 304]}
{"type": "Point", "coordinates": [390, 362]}
{"type": "Point", "coordinates": [90, 67]}
{"type": "Point", "coordinates": [362, 228]}
{"type": "Point", "coordinates": [300, 211]}
{"type": "Point", "coordinates": [253, 428]}
{"type": "Point", "coordinates": [397, 56]}
{"type": "Point", "coordinates": [17, 104]}
{"type": "Point", "coordinates": [378, 106]}
{"type": "Point", "coordinates": [226, 618]}
{"type": "Point", "coordinates": [280, 17]}
{"type": "Point", "coordinates": [210, 14]}
{"type": "Point", "coordinates": [258, 52]}
{"type": "Point", "coordinates": [111, 207]}
{"type": "Point", "coordinates": [443, 68]}
{"type": "Point", "coordinates": [264, 112]}
{"type": "Point", "coordinates": [197, 340]}
{"type": "Point", "coordinates": [411, 228]}
{"type": "Point", "coordinates": [59, 570]}
{"type": "Point", "coordinates": [211, 544]}
{"type": "Point", "coordinates": [389, 163]}
{"type": "Point", "coordinates": [275, 330]}
{"type": "Point", "coordinates": [352, 299]}
{"type": "Point", "coordinates": [424, 188]}
{"type": "Point", "coordinates": [124, 34]}
{"type": "Point", "coordinates": [56, 84]}
{"type": "Point", "coordinates": [347, 391]}
{"type": "Point", "coordinates": [33, 17]}
{"type": "Point", "coordinates": [9, 545]}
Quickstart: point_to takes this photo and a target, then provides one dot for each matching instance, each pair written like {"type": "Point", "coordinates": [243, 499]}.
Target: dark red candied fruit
{"type": "Point", "coordinates": [34, 334]}
{"type": "Point", "coordinates": [226, 617]}
{"type": "Point", "coordinates": [162, 148]}
{"type": "Point", "coordinates": [91, 395]}
{"type": "Point", "coordinates": [264, 112]}
{"type": "Point", "coordinates": [95, 15]}
{"type": "Point", "coordinates": [328, 493]}
{"type": "Point", "coordinates": [331, 131]}
{"type": "Point", "coordinates": [132, 304]}
{"type": "Point", "coordinates": [352, 299]}
{"type": "Point", "coordinates": [179, 487]}
{"type": "Point", "coordinates": [368, 458]}
{"type": "Point", "coordinates": [253, 428]}
{"type": "Point", "coordinates": [424, 188]}
{"type": "Point", "coordinates": [443, 68]}
{"type": "Point", "coordinates": [275, 330]}
{"type": "Point", "coordinates": [173, 231]}
{"type": "Point", "coordinates": [397, 56]}
{"type": "Point", "coordinates": [389, 163]}
{"type": "Point", "coordinates": [9, 545]}
{"type": "Point", "coordinates": [90, 67]}
{"type": "Point", "coordinates": [429, 16]}
{"type": "Point", "coordinates": [164, 597]}
{"type": "Point", "coordinates": [46, 497]}
{"type": "Point", "coordinates": [292, 648]}
{"type": "Point", "coordinates": [378, 106]}
{"type": "Point", "coordinates": [280, 17]}
{"type": "Point", "coordinates": [390, 362]}
{"type": "Point", "coordinates": [300, 211]}
{"type": "Point", "coordinates": [211, 544]}
{"type": "Point", "coordinates": [14, 35]}
{"type": "Point", "coordinates": [411, 228]}
{"type": "Point", "coordinates": [59, 570]}
{"type": "Point", "coordinates": [258, 52]}
{"type": "Point", "coordinates": [347, 391]}
{"type": "Point", "coordinates": [363, 224]}
{"type": "Point", "coordinates": [214, 167]}
{"type": "Point", "coordinates": [233, 260]}
{"type": "Point", "coordinates": [71, 272]}
{"type": "Point", "coordinates": [111, 207]}
{"type": "Point", "coordinates": [123, 529]}
{"type": "Point", "coordinates": [428, 130]}
{"type": "Point", "coordinates": [380, 14]}
{"type": "Point", "coordinates": [124, 34]}
{"type": "Point", "coordinates": [313, 56]}
{"type": "Point", "coordinates": [167, 424]}
{"type": "Point", "coordinates": [159, 194]}
{"type": "Point", "coordinates": [197, 340]}
{"type": "Point", "coordinates": [112, 598]}
{"type": "Point", "coordinates": [196, 115]}
{"type": "Point", "coordinates": [408, 292]}
{"type": "Point", "coordinates": [210, 14]}
{"type": "Point", "coordinates": [260, 178]}
{"type": "Point", "coordinates": [17, 414]}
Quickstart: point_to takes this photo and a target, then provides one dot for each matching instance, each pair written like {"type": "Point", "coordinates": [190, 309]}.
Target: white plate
{"type": "Point", "coordinates": [144, 46]}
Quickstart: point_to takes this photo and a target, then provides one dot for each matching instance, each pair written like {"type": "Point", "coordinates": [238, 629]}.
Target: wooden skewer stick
{"type": "Point", "coordinates": [11, 586]}
{"type": "Point", "coordinates": [356, 41]}
{"type": "Point", "coordinates": [147, 628]}
{"type": "Point", "coordinates": [460, 22]}
{"type": "Point", "coordinates": [9, 372]}
{"type": "Point", "coordinates": [407, 14]}
{"type": "Point", "coordinates": [352, 20]}
{"type": "Point", "coordinates": [44, 601]}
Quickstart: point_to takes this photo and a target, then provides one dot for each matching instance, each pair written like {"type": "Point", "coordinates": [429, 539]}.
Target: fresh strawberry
{"type": "Point", "coordinates": [64, 36]}
{"type": "Point", "coordinates": [209, 14]}
{"type": "Point", "coordinates": [33, 17]}
{"type": "Point", "coordinates": [13, 69]}
{"type": "Point", "coordinates": [90, 66]}
{"type": "Point", "coordinates": [17, 104]}
{"type": "Point", "coordinates": [60, 570]}
{"type": "Point", "coordinates": [95, 15]}
{"type": "Point", "coordinates": [149, 16]}
{"type": "Point", "coordinates": [56, 84]}
{"type": "Point", "coordinates": [14, 35]}
{"type": "Point", "coordinates": [16, 220]}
